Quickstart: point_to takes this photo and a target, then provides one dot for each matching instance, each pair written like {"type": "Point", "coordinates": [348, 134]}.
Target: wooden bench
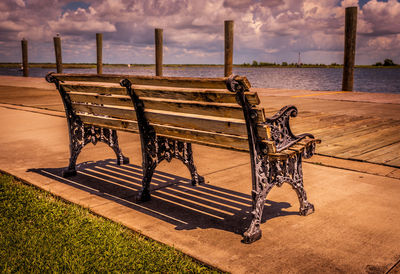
{"type": "Point", "coordinates": [171, 113]}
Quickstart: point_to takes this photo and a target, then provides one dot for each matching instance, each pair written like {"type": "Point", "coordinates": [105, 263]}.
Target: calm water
{"type": "Point", "coordinates": [368, 80]}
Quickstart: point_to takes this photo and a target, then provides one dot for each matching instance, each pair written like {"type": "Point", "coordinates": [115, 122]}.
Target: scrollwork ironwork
{"type": "Point", "coordinates": [281, 133]}
{"type": "Point", "coordinates": [157, 148]}
{"type": "Point", "coordinates": [81, 134]}
{"type": "Point", "coordinates": [267, 173]}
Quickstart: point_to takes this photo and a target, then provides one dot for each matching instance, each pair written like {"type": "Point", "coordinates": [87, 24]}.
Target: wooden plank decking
{"type": "Point", "coordinates": [356, 126]}
{"type": "Point", "coordinates": [363, 138]}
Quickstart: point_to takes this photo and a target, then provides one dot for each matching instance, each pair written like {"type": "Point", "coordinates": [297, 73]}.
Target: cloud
{"type": "Point", "coordinates": [381, 18]}
{"type": "Point", "coordinates": [265, 30]}
{"type": "Point", "coordinates": [81, 21]}
{"type": "Point", "coordinates": [20, 3]}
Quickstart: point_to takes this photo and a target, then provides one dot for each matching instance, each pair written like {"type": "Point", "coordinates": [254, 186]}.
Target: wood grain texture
{"type": "Point", "coordinates": [57, 50]}
{"type": "Point", "coordinates": [24, 47]}
{"type": "Point", "coordinates": [112, 123]}
{"type": "Point", "coordinates": [99, 52]}
{"type": "Point", "coordinates": [193, 136]}
{"type": "Point", "coordinates": [122, 113]}
{"type": "Point", "coordinates": [349, 48]}
{"type": "Point", "coordinates": [201, 108]}
{"type": "Point", "coordinates": [158, 38]}
{"type": "Point", "coordinates": [175, 93]}
{"type": "Point", "coordinates": [228, 28]}
{"type": "Point", "coordinates": [124, 101]}
{"type": "Point", "coordinates": [185, 82]}
{"type": "Point", "coordinates": [182, 120]}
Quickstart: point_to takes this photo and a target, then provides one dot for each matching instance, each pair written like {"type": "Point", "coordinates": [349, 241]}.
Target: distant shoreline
{"type": "Point", "coordinates": [93, 65]}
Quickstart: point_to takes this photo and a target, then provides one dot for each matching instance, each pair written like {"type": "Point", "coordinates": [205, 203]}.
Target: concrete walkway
{"type": "Point", "coordinates": [355, 227]}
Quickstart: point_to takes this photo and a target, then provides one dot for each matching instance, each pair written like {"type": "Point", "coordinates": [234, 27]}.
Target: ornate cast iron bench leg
{"type": "Point", "coordinates": [156, 149]}
{"type": "Point", "coordinates": [81, 135]}
{"type": "Point", "coordinates": [271, 173]}
{"type": "Point", "coordinates": [183, 151]}
{"type": "Point", "coordinates": [290, 171]}
{"type": "Point", "coordinates": [306, 207]}
{"type": "Point", "coordinates": [261, 187]}
{"type": "Point", "coordinates": [268, 172]}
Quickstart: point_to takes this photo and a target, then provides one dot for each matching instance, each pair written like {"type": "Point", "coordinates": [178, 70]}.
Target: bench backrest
{"type": "Point", "coordinates": [196, 110]}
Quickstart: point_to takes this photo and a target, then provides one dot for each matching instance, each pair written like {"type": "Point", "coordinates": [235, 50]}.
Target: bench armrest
{"type": "Point", "coordinates": [281, 133]}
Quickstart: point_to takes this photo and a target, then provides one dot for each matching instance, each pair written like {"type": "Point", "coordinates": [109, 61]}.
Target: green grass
{"type": "Point", "coordinates": [41, 233]}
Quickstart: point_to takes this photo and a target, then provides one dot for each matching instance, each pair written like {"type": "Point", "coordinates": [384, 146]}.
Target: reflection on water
{"type": "Point", "coordinates": [368, 80]}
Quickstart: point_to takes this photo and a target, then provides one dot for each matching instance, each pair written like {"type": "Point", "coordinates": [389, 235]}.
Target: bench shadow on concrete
{"type": "Point", "coordinates": [174, 199]}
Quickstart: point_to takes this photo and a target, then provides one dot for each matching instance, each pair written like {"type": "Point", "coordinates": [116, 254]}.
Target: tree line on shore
{"type": "Point", "coordinates": [385, 63]}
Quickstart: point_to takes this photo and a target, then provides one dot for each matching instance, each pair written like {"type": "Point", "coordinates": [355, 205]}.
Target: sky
{"type": "Point", "coordinates": [193, 30]}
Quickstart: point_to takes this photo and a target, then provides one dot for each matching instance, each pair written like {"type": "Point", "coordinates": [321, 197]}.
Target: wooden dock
{"type": "Point", "coordinates": [354, 125]}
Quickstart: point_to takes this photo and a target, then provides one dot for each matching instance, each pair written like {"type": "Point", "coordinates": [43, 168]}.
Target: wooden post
{"type": "Point", "coordinates": [349, 48]}
{"type": "Point", "coordinates": [24, 44]}
{"type": "Point", "coordinates": [228, 47]}
{"type": "Point", "coordinates": [159, 51]}
{"type": "Point", "coordinates": [99, 46]}
{"type": "Point", "coordinates": [57, 50]}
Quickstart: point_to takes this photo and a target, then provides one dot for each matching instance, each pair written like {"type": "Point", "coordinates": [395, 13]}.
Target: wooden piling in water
{"type": "Point", "coordinates": [24, 45]}
{"type": "Point", "coordinates": [159, 51]}
{"type": "Point", "coordinates": [349, 48]}
{"type": "Point", "coordinates": [99, 46]}
{"type": "Point", "coordinates": [228, 47]}
{"type": "Point", "coordinates": [57, 50]}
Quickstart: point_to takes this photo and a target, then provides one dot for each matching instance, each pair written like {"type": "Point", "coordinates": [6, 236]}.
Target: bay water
{"type": "Point", "coordinates": [383, 80]}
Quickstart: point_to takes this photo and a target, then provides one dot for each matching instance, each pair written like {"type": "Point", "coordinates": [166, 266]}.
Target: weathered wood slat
{"type": "Point", "coordinates": [270, 145]}
{"type": "Point", "coordinates": [190, 82]}
{"type": "Point", "coordinates": [283, 155]}
{"type": "Point", "coordinates": [124, 101]}
{"type": "Point", "coordinates": [122, 113]}
{"type": "Point", "coordinates": [176, 93]}
{"type": "Point", "coordinates": [189, 121]}
{"type": "Point", "coordinates": [112, 123]}
{"type": "Point", "coordinates": [201, 108]}
{"type": "Point", "coordinates": [199, 122]}
{"type": "Point", "coordinates": [297, 147]}
{"type": "Point", "coordinates": [98, 88]}
{"type": "Point", "coordinates": [204, 138]}
{"type": "Point", "coordinates": [216, 96]}
{"type": "Point", "coordinates": [189, 135]}
{"type": "Point", "coordinates": [308, 141]}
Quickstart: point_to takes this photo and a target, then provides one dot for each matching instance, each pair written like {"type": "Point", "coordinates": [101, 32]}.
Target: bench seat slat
{"type": "Point", "coordinates": [191, 82]}
{"type": "Point", "coordinates": [216, 96]}
{"type": "Point", "coordinates": [176, 93]}
{"type": "Point", "coordinates": [202, 108]}
{"type": "Point", "coordinates": [112, 123]}
{"type": "Point", "coordinates": [123, 101]}
{"type": "Point", "coordinates": [189, 121]}
{"type": "Point", "coordinates": [98, 88]}
{"type": "Point", "coordinates": [204, 138]}
{"type": "Point", "coordinates": [97, 110]}
{"type": "Point", "coordinates": [189, 135]}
